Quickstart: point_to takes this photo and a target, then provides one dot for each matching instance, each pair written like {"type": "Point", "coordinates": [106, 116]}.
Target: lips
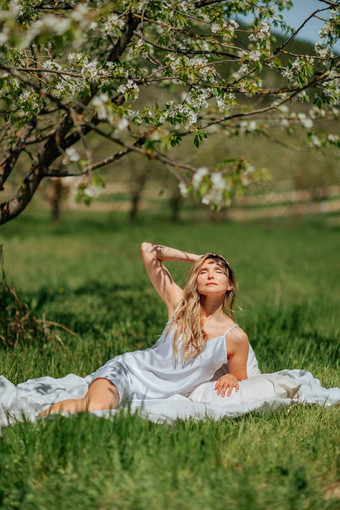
{"type": "Point", "coordinates": [211, 283]}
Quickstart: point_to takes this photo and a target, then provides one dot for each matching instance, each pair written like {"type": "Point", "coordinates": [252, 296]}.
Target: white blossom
{"type": "Point", "coordinates": [198, 176]}
{"type": "Point", "coordinates": [308, 123]}
{"type": "Point", "coordinates": [113, 22]}
{"type": "Point", "coordinates": [262, 33]}
{"type": "Point", "coordinates": [215, 27]}
{"type": "Point", "coordinates": [322, 50]}
{"type": "Point", "coordinates": [214, 196]}
{"type": "Point", "coordinates": [79, 13]}
{"type": "Point", "coordinates": [243, 70]}
{"type": "Point", "coordinates": [183, 189]}
{"type": "Point", "coordinates": [24, 96]}
{"type": "Point", "coordinates": [233, 25]}
{"type": "Point", "coordinates": [189, 113]}
{"type": "Point", "coordinates": [247, 126]}
{"type": "Point", "coordinates": [73, 57]}
{"type": "Point", "coordinates": [99, 103]}
{"type": "Point", "coordinates": [304, 120]}
{"type": "Point", "coordinates": [315, 141]}
{"type": "Point", "coordinates": [51, 64]}
{"type": "Point", "coordinates": [71, 155]}
{"type": "Point", "coordinates": [254, 55]}
{"type": "Point", "coordinates": [122, 124]}
{"type": "Point", "coordinates": [130, 85]}
{"type": "Point", "coordinates": [296, 65]}
{"type": "Point", "coordinates": [288, 73]}
{"type": "Point", "coordinates": [92, 191]}
{"type": "Point", "coordinates": [217, 181]}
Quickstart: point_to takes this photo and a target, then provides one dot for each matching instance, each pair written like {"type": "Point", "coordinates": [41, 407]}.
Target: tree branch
{"type": "Point", "coordinates": [125, 38]}
{"type": "Point", "coordinates": [8, 163]}
{"type": "Point", "coordinates": [111, 159]}
{"type": "Point", "coordinates": [332, 4]}
{"type": "Point", "coordinates": [185, 51]}
{"type": "Point", "coordinates": [32, 70]}
{"type": "Point", "coordinates": [282, 144]}
{"type": "Point", "coordinates": [147, 153]}
{"type": "Point", "coordinates": [13, 207]}
{"type": "Point", "coordinates": [280, 48]}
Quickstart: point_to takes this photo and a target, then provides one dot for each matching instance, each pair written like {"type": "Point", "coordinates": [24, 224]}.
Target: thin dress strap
{"type": "Point", "coordinates": [233, 326]}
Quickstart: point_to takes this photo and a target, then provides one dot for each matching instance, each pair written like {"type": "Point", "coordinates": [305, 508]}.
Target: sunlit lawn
{"type": "Point", "coordinates": [87, 274]}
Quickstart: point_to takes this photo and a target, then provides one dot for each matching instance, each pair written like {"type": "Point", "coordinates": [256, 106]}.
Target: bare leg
{"type": "Point", "coordinates": [102, 394]}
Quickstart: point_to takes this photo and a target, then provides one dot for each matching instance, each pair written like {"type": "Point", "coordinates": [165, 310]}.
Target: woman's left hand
{"type": "Point", "coordinates": [226, 383]}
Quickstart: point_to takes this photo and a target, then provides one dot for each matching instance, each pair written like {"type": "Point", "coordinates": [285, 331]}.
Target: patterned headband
{"type": "Point", "coordinates": [219, 257]}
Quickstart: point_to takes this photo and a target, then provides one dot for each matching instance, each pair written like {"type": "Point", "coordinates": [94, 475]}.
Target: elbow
{"type": "Point", "coordinates": [148, 248]}
{"type": "Point", "coordinates": [145, 247]}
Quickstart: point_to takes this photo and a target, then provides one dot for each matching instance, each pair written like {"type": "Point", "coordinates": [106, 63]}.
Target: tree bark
{"type": "Point", "coordinates": [12, 208]}
{"type": "Point", "coordinates": [58, 192]}
{"type": "Point", "coordinates": [8, 163]}
{"type": "Point", "coordinates": [137, 195]}
{"type": "Point", "coordinates": [175, 204]}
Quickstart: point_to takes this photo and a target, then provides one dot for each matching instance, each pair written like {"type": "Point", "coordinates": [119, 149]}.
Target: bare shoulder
{"type": "Point", "coordinates": [239, 335]}
{"type": "Point", "coordinates": [237, 339]}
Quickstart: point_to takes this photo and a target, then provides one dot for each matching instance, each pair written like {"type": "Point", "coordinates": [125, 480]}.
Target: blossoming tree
{"type": "Point", "coordinates": [70, 68]}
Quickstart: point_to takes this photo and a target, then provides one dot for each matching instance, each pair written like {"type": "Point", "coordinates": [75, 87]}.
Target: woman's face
{"type": "Point", "coordinates": [212, 278]}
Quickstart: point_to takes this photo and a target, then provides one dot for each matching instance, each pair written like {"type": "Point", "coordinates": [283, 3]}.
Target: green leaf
{"type": "Point", "coordinates": [175, 139]}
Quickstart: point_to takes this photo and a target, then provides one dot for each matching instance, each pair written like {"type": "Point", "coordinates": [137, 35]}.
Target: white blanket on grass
{"type": "Point", "coordinates": [262, 393]}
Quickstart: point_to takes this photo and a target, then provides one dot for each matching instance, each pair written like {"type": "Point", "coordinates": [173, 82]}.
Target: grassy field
{"type": "Point", "coordinates": [87, 274]}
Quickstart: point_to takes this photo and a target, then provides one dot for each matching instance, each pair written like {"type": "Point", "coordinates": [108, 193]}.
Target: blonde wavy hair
{"type": "Point", "coordinates": [188, 314]}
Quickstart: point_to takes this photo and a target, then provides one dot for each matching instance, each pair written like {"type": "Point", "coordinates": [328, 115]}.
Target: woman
{"type": "Point", "coordinates": [198, 339]}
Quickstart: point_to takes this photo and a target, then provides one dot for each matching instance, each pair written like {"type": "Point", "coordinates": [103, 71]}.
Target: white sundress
{"type": "Point", "coordinates": [154, 373]}
{"type": "Point", "coordinates": [162, 390]}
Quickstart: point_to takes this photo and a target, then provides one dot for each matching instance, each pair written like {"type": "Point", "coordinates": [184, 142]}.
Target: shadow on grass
{"type": "Point", "coordinates": [100, 289]}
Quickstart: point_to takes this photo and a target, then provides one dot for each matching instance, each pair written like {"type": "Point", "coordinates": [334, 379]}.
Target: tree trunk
{"type": "Point", "coordinates": [56, 197]}
{"type": "Point", "coordinates": [137, 195]}
{"type": "Point", "coordinates": [175, 205]}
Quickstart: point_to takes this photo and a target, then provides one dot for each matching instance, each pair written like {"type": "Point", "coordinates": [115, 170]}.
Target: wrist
{"type": "Point", "coordinates": [193, 257]}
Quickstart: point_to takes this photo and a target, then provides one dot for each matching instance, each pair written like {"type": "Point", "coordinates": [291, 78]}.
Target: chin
{"type": "Point", "coordinates": [212, 292]}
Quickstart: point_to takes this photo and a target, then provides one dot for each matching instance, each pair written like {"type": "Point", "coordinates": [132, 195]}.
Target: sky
{"type": "Point", "coordinates": [298, 13]}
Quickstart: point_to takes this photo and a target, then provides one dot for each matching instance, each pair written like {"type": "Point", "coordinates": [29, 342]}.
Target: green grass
{"type": "Point", "coordinates": [87, 274]}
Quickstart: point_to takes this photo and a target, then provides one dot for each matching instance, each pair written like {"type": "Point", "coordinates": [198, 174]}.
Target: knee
{"type": "Point", "coordinates": [102, 395]}
{"type": "Point", "coordinates": [93, 405]}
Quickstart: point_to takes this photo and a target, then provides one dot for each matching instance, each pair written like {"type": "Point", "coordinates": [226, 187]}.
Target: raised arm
{"type": "Point", "coordinates": [153, 255]}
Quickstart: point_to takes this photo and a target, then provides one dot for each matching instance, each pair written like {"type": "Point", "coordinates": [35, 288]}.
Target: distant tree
{"type": "Point", "coordinates": [137, 187]}
{"type": "Point", "coordinates": [69, 68]}
{"type": "Point", "coordinates": [57, 192]}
